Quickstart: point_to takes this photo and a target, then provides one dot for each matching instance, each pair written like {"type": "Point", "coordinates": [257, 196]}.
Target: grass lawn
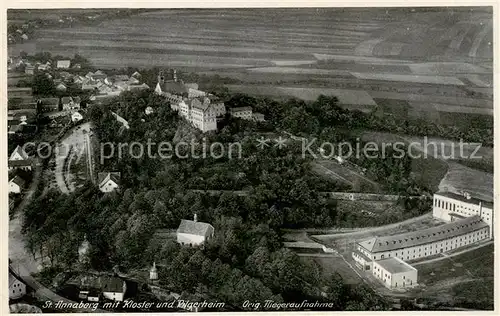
{"type": "Point", "coordinates": [336, 264]}
{"type": "Point", "coordinates": [465, 280]}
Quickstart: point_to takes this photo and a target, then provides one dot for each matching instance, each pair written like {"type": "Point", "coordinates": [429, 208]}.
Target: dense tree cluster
{"type": "Point", "coordinates": [245, 259]}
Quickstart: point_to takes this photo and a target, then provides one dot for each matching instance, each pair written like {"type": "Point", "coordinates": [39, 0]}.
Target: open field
{"type": "Point", "coordinates": [333, 265]}
{"type": "Point", "coordinates": [469, 275]}
{"type": "Point", "coordinates": [461, 178]}
{"type": "Point", "coordinates": [422, 55]}
{"type": "Point", "coordinates": [346, 97]}
{"type": "Point", "coordinates": [409, 78]}
{"type": "Point", "coordinates": [337, 172]}
{"type": "Point", "coordinates": [427, 170]}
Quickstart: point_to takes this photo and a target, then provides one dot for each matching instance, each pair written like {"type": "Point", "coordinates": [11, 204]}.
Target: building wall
{"type": "Point", "coordinates": [14, 188]}
{"type": "Point", "coordinates": [220, 109]}
{"type": "Point", "coordinates": [115, 296]}
{"type": "Point", "coordinates": [362, 262]}
{"type": "Point", "coordinates": [404, 279]}
{"type": "Point", "coordinates": [246, 115]}
{"type": "Point", "coordinates": [190, 240]}
{"type": "Point", "coordinates": [17, 289]}
{"type": "Point", "coordinates": [430, 249]}
{"type": "Point", "coordinates": [395, 280]}
{"type": "Point", "coordinates": [108, 187]}
{"type": "Point", "coordinates": [25, 168]}
{"type": "Point", "coordinates": [442, 206]}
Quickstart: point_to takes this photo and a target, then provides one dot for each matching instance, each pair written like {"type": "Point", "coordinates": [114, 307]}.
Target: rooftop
{"type": "Point", "coordinates": [104, 177]}
{"type": "Point", "coordinates": [425, 236]}
{"type": "Point", "coordinates": [17, 180]}
{"type": "Point", "coordinates": [241, 109]}
{"type": "Point", "coordinates": [395, 265]}
{"type": "Point", "coordinates": [20, 163]}
{"type": "Point", "coordinates": [195, 228]}
{"type": "Point", "coordinates": [462, 198]}
{"type": "Point", "coordinates": [20, 151]}
{"type": "Point", "coordinates": [104, 283]}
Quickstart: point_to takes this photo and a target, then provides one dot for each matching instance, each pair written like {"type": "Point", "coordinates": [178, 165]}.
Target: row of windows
{"type": "Point", "coordinates": [434, 249]}
{"type": "Point", "coordinates": [443, 204]}
{"type": "Point", "coordinates": [433, 234]}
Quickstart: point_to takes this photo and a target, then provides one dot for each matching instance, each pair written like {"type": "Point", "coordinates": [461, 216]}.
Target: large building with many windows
{"type": "Point", "coordinates": [199, 108]}
{"type": "Point", "coordinates": [422, 243]}
{"type": "Point", "coordinates": [449, 207]}
{"type": "Point", "coordinates": [468, 221]}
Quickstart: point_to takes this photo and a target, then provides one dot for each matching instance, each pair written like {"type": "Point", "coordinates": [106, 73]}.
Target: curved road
{"type": "Point", "coordinates": [23, 263]}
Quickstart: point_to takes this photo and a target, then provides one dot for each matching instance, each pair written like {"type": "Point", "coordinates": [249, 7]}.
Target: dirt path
{"type": "Point", "coordinates": [361, 231]}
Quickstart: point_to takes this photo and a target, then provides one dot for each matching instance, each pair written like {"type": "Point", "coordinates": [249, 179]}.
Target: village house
{"type": "Point", "coordinates": [142, 86]}
{"type": "Point", "coordinates": [111, 288]}
{"type": "Point", "coordinates": [133, 81]}
{"type": "Point", "coordinates": [29, 70]}
{"type": "Point", "coordinates": [136, 75]}
{"type": "Point", "coordinates": [194, 233]}
{"type": "Point", "coordinates": [16, 185]}
{"type": "Point", "coordinates": [99, 75]}
{"type": "Point", "coordinates": [63, 64]}
{"type": "Point", "coordinates": [149, 110]}
{"type": "Point", "coordinates": [19, 159]}
{"type": "Point", "coordinates": [76, 117]}
{"type": "Point", "coordinates": [258, 117]}
{"type": "Point", "coordinates": [17, 289]}
{"type": "Point", "coordinates": [70, 103]}
{"type": "Point", "coordinates": [122, 78]}
{"type": "Point", "coordinates": [19, 154]}
{"type": "Point", "coordinates": [66, 76]}
{"type": "Point", "coordinates": [243, 112]}
{"type": "Point", "coordinates": [109, 181]}
{"type": "Point", "coordinates": [61, 87]}
{"type": "Point", "coordinates": [43, 67]}
{"type": "Point", "coordinates": [48, 104]}
{"type": "Point", "coordinates": [121, 120]}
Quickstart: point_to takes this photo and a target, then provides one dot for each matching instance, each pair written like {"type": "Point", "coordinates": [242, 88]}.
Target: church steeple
{"type": "Point", "coordinates": [83, 251]}
{"type": "Point", "coordinates": [153, 273]}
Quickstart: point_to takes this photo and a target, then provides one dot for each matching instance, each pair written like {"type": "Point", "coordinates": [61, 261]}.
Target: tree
{"type": "Point", "coordinates": [43, 86]}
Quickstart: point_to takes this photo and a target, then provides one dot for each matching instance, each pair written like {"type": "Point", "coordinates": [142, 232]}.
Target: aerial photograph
{"type": "Point", "coordinates": [250, 159]}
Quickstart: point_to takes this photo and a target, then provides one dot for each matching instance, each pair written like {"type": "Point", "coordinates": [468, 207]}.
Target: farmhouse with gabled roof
{"type": "Point", "coordinates": [194, 233]}
{"type": "Point", "coordinates": [109, 181]}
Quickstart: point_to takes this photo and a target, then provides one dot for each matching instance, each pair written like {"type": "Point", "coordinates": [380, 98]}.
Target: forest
{"type": "Point", "coordinates": [246, 258]}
